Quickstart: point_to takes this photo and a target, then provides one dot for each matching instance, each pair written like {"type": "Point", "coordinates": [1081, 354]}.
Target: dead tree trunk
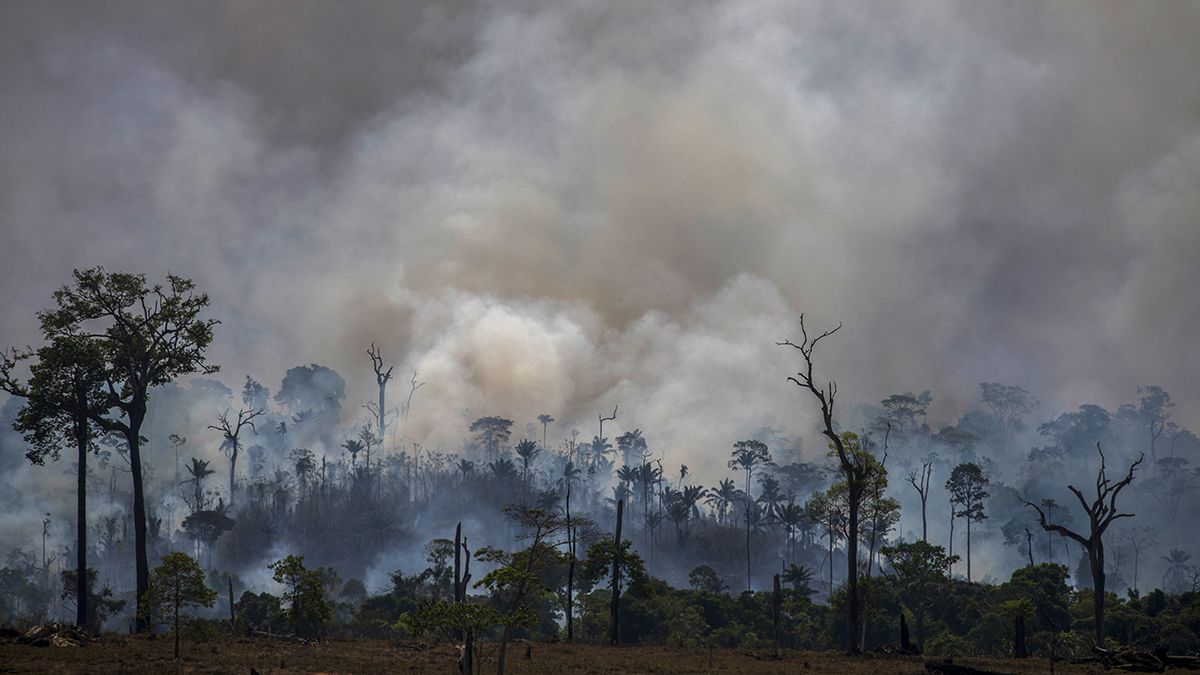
{"type": "Point", "coordinates": [776, 615]}
{"type": "Point", "coordinates": [1101, 512]}
{"type": "Point", "coordinates": [853, 467]}
{"type": "Point", "coordinates": [921, 483]}
{"type": "Point", "coordinates": [381, 379]}
{"type": "Point", "coordinates": [614, 629]}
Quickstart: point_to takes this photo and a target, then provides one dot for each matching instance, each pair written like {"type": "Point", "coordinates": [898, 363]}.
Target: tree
{"type": "Point", "coordinates": [491, 432]}
{"type": "Point", "coordinates": [747, 456]}
{"type": "Point", "coordinates": [704, 578]}
{"type": "Point", "coordinates": [527, 450]}
{"type": "Point", "coordinates": [382, 377]}
{"type": "Point", "coordinates": [230, 432]}
{"type": "Point", "coordinates": [148, 336]}
{"type": "Point", "coordinates": [304, 593]}
{"type": "Point", "coordinates": [1175, 579]}
{"type": "Point", "coordinates": [1008, 403]}
{"type": "Point", "coordinates": [918, 572]}
{"type": "Point", "coordinates": [515, 575]}
{"type": "Point", "coordinates": [1154, 409]}
{"type": "Point", "coordinates": [920, 482]}
{"type": "Point", "coordinates": [176, 584]}
{"type": "Point", "coordinates": [545, 421]}
{"type": "Point", "coordinates": [631, 444]}
{"type": "Point", "coordinates": [198, 470]}
{"type": "Point", "coordinates": [854, 468]}
{"type": "Point", "coordinates": [1101, 512]}
{"type": "Point", "coordinates": [966, 486]}
{"type": "Point", "coordinates": [1138, 538]}
{"type": "Point", "coordinates": [64, 392]}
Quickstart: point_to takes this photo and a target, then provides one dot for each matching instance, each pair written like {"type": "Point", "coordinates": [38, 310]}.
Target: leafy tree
{"type": "Point", "coordinates": [527, 450]}
{"type": "Point", "coordinates": [64, 393]}
{"type": "Point", "coordinates": [304, 594]}
{"type": "Point", "coordinates": [705, 578]}
{"type": "Point", "coordinates": [966, 486]}
{"type": "Point", "coordinates": [516, 575]}
{"type": "Point", "coordinates": [491, 432]}
{"type": "Point", "coordinates": [176, 584]}
{"type": "Point", "coordinates": [545, 421]}
{"type": "Point", "coordinates": [1008, 403]}
{"type": "Point", "coordinates": [100, 605]}
{"type": "Point", "coordinates": [918, 572]}
{"type": "Point", "coordinates": [748, 456]}
{"type": "Point", "coordinates": [147, 336]}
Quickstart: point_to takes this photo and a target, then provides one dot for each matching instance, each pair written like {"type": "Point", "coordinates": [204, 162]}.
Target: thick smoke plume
{"type": "Point", "coordinates": [564, 206]}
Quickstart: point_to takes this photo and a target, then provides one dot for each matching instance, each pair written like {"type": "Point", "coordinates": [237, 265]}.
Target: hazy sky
{"type": "Point", "coordinates": [561, 206]}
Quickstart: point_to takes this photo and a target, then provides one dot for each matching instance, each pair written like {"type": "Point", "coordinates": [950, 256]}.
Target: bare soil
{"type": "Point", "coordinates": [126, 654]}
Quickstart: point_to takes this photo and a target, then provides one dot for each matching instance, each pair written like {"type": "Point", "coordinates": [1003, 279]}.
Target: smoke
{"type": "Point", "coordinates": [561, 207]}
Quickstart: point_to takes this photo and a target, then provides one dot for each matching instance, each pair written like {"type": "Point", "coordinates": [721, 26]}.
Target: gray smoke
{"type": "Point", "coordinates": [559, 207]}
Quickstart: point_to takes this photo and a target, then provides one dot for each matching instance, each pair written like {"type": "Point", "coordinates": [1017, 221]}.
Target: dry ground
{"type": "Point", "coordinates": [122, 654]}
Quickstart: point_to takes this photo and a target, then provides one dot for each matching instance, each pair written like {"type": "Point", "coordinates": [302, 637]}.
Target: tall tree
{"type": "Point", "coordinates": [1101, 512]}
{"type": "Point", "coordinates": [920, 482]}
{"type": "Point", "coordinates": [527, 450]}
{"type": "Point", "coordinates": [63, 393]}
{"type": "Point", "coordinates": [491, 432]}
{"type": "Point", "coordinates": [148, 336]}
{"type": "Point", "coordinates": [967, 485]}
{"type": "Point", "coordinates": [545, 420]}
{"type": "Point", "coordinates": [748, 456]}
{"type": "Point", "coordinates": [382, 377]}
{"type": "Point", "coordinates": [231, 442]}
{"type": "Point", "coordinates": [854, 468]}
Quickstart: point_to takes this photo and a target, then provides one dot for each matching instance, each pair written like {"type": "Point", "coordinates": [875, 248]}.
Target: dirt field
{"type": "Point", "coordinates": [120, 654]}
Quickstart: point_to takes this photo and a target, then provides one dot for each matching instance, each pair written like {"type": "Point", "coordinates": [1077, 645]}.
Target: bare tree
{"type": "Point", "coordinates": [920, 481]}
{"type": "Point", "coordinates": [381, 378]}
{"type": "Point", "coordinates": [1101, 512]}
{"type": "Point", "coordinates": [230, 442]}
{"type": "Point", "coordinates": [854, 468]}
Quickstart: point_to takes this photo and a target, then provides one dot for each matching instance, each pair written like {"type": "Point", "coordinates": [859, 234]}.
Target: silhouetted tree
{"type": "Point", "coordinates": [966, 487]}
{"type": "Point", "coordinates": [231, 443]}
{"type": "Point", "coordinates": [148, 336]}
{"type": "Point", "coordinates": [177, 583]}
{"type": "Point", "coordinates": [1101, 512]}
{"type": "Point", "coordinates": [854, 468]}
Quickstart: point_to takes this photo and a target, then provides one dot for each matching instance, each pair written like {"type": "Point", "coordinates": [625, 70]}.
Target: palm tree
{"type": "Point", "coordinates": [465, 466]}
{"type": "Point", "coordinates": [677, 510]}
{"type": "Point", "coordinates": [799, 576]}
{"type": "Point", "coordinates": [545, 420]}
{"type": "Point", "coordinates": [503, 470]}
{"type": "Point", "coordinates": [722, 496]}
{"type": "Point", "coordinates": [570, 476]}
{"type": "Point", "coordinates": [1176, 577]}
{"type": "Point", "coordinates": [791, 515]}
{"type": "Point", "coordinates": [631, 444]}
{"type": "Point", "coordinates": [353, 446]}
{"type": "Point", "coordinates": [527, 450]}
{"type": "Point", "coordinates": [691, 496]}
{"type": "Point", "coordinates": [770, 496]}
{"type": "Point", "coordinates": [198, 470]}
{"type": "Point", "coordinates": [305, 463]}
{"type": "Point", "coordinates": [600, 448]}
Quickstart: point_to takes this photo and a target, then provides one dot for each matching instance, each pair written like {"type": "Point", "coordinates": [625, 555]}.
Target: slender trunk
{"type": "Point", "coordinates": [232, 470]}
{"type": "Point", "coordinates": [614, 630]}
{"type": "Point", "coordinates": [81, 585]}
{"type": "Point", "coordinates": [853, 608]}
{"type": "Point", "coordinates": [924, 522]}
{"type": "Point", "coordinates": [570, 566]}
{"type": "Point", "coordinates": [382, 414]}
{"type": "Point", "coordinates": [1096, 558]}
{"type": "Point", "coordinates": [969, 549]}
{"type": "Point", "coordinates": [458, 564]}
{"type": "Point", "coordinates": [177, 603]}
{"type": "Point", "coordinates": [141, 559]}
{"type": "Point", "coordinates": [776, 611]}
